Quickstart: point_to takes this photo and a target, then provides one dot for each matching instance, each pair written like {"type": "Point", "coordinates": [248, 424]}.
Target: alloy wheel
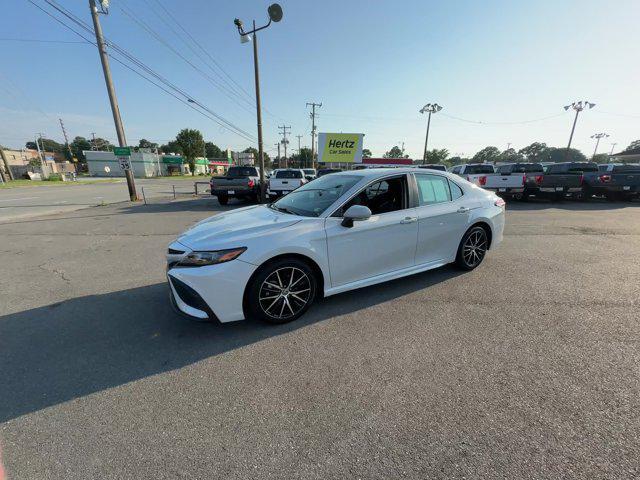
{"type": "Point", "coordinates": [474, 248]}
{"type": "Point", "coordinates": [284, 293]}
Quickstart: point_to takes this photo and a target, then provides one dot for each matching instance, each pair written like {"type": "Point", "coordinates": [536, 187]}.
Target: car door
{"type": "Point", "coordinates": [443, 216]}
{"type": "Point", "coordinates": [384, 243]}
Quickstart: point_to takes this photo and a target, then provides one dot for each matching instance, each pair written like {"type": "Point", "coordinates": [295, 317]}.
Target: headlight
{"type": "Point", "coordinates": [200, 259]}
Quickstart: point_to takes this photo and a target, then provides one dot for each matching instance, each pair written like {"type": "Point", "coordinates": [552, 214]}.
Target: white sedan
{"type": "Point", "coordinates": [340, 232]}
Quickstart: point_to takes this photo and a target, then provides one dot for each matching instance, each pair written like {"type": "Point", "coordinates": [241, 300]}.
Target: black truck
{"type": "Point", "coordinates": [562, 180]}
{"type": "Point", "coordinates": [239, 182]}
{"type": "Point", "coordinates": [614, 182]}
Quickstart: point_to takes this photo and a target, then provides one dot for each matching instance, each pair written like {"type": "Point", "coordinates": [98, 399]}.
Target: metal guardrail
{"type": "Point", "coordinates": [173, 192]}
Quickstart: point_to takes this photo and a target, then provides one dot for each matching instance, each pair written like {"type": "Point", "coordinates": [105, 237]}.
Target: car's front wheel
{"type": "Point", "coordinates": [281, 291]}
{"type": "Point", "coordinates": [473, 247]}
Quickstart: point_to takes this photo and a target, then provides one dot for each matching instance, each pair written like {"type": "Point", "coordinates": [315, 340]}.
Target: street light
{"type": "Point", "coordinates": [598, 136]}
{"type": "Point", "coordinates": [578, 107]}
{"type": "Point", "coordinates": [428, 108]}
{"type": "Point", "coordinates": [275, 15]}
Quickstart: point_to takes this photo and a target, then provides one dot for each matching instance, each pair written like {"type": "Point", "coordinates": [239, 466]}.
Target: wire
{"type": "Point", "coordinates": [190, 99]}
{"type": "Point", "coordinates": [36, 40]}
{"type": "Point", "coordinates": [480, 122]}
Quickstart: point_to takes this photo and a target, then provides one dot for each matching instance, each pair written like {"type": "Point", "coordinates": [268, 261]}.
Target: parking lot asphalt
{"type": "Point", "coordinates": [527, 367]}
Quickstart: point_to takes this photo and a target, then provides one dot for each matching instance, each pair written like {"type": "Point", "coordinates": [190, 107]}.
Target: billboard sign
{"type": "Point", "coordinates": [340, 147]}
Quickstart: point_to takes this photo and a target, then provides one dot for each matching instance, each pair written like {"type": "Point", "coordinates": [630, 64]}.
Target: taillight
{"type": "Point", "coordinates": [500, 202]}
{"type": "Point", "coordinates": [524, 180]}
{"type": "Point", "coordinates": [482, 181]}
{"type": "Point", "coordinates": [605, 178]}
{"type": "Point", "coordinates": [538, 179]}
{"type": "Point", "coordinates": [251, 183]}
{"type": "Point", "coordinates": [467, 178]}
{"type": "Point", "coordinates": [581, 179]}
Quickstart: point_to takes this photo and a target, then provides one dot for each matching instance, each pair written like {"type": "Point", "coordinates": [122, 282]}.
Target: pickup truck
{"type": "Point", "coordinates": [239, 182]}
{"type": "Point", "coordinates": [434, 166]}
{"type": "Point", "coordinates": [614, 182]}
{"type": "Point", "coordinates": [285, 181]}
{"type": "Point", "coordinates": [515, 180]}
{"type": "Point", "coordinates": [474, 172]}
{"type": "Point", "coordinates": [564, 179]}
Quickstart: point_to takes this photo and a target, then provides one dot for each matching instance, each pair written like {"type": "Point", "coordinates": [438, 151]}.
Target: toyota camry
{"type": "Point", "coordinates": [337, 233]}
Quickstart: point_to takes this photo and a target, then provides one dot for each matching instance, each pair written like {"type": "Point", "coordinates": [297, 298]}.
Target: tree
{"type": "Point", "coordinates": [536, 152]}
{"type": "Point", "coordinates": [302, 159]}
{"type": "Point", "coordinates": [601, 158]}
{"type": "Point", "coordinates": [435, 156]}
{"type": "Point", "coordinates": [511, 156]}
{"type": "Point", "coordinates": [366, 153]}
{"type": "Point", "coordinates": [47, 145]}
{"type": "Point", "coordinates": [213, 151]}
{"type": "Point", "coordinates": [633, 147]}
{"type": "Point", "coordinates": [100, 144]}
{"type": "Point", "coordinates": [171, 147]}
{"type": "Point", "coordinates": [487, 154]}
{"type": "Point", "coordinates": [78, 145]}
{"type": "Point", "coordinates": [559, 155]}
{"type": "Point", "coordinates": [144, 143]}
{"type": "Point", "coordinates": [395, 152]}
{"type": "Point", "coordinates": [192, 145]}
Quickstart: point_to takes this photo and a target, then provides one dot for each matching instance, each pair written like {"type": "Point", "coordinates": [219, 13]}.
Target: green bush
{"type": "Point", "coordinates": [54, 177]}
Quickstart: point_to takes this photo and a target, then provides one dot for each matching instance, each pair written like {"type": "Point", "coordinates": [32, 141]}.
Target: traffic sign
{"type": "Point", "coordinates": [124, 163]}
{"type": "Point", "coordinates": [122, 151]}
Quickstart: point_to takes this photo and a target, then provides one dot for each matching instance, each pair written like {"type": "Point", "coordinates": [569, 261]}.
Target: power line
{"type": "Point", "coordinates": [218, 118]}
{"type": "Point", "coordinates": [37, 40]}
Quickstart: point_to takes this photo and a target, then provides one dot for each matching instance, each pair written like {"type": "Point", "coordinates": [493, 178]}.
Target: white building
{"type": "Point", "coordinates": [105, 164]}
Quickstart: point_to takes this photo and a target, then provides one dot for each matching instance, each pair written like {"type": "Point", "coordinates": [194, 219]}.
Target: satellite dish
{"type": "Point", "coordinates": [275, 12]}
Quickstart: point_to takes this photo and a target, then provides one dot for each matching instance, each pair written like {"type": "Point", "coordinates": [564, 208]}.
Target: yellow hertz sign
{"type": "Point", "coordinates": [340, 147]}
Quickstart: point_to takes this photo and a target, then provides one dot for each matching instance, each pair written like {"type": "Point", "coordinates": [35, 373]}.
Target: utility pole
{"type": "Point", "coordinates": [66, 139]}
{"type": "Point", "coordinates": [104, 59]}
{"type": "Point", "coordinates": [299, 153]}
{"type": "Point", "coordinates": [313, 131]}
{"type": "Point", "coordinates": [578, 107]}
{"type": "Point", "coordinates": [508, 145]}
{"type": "Point", "coordinates": [278, 145]}
{"type": "Point", "coordinates": [93, 144]}
{"type": "Point", "coordinates": [430, 108]}
{"type": "Point", "coordinates": [597, 136]}
{"type": "Point", "coordinates": [612, 147]}
{"type": "Point", "coordinates": [285, 142]}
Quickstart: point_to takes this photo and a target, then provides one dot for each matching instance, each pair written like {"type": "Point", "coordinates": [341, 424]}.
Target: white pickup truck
{"type": "Point", "coordinates": [515, 180]}
{"type": "Point", "coordinates": [474, 172]}
{"type": "Point", "coordinates": [285, 181]}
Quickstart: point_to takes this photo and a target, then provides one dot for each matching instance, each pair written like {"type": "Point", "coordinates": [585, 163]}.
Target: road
{"type": "Point", "coordinates": [527, 367]}
{"type": "Point", "coordinates": [25, 202]}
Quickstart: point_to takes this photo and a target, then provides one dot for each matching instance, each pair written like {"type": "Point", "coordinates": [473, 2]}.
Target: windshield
{"type": "Point", "coordinates": [314, 198]}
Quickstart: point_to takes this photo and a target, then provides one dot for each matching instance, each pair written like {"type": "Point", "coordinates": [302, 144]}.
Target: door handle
{"type": "Point", "coordinates": [463, 209]}
{"type": "Point", "coordinates": [409, 220]}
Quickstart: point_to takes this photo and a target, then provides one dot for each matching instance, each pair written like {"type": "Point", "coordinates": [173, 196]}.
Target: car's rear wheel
{"type": "Point", "coordinates": [223, 199]}
{"type": "Point", "coordinates": [473, 248]}
{"type": "Point", "coordinates": [281, 291]}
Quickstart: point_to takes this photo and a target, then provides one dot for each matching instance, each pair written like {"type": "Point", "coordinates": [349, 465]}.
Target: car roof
{"type": "Point", "coordinates": [383, 172]}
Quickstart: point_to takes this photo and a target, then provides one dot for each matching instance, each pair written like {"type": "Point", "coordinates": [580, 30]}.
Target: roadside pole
{"type": "Point", "coordinates": [6, 164]}
{"type": "Point", "coordinates": [313, 131]}
{"type": "Point", "coordinates": [104, 59]}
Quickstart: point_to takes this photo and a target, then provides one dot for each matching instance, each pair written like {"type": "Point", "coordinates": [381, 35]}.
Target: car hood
{"type": "Point", "coordinates": [238, 225]}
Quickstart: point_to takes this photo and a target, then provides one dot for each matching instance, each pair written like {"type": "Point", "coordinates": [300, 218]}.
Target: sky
{"type": "Point", "coordinates": [502, 70]}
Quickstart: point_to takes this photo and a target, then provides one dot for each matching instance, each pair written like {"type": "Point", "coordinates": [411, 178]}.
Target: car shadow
{"type": "Point", "coordinates": [574, 205]}
{"type": "Point", "coordinates": [76, 347]}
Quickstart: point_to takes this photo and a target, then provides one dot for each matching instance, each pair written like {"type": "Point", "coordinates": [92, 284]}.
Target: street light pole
{"type": "Point", "coordinates": [429, 108]}
{"type": "Point", "coordinates": [115, 110]}
{"type": "Point", "coordinates": [578, 107]}
{"type": "Point", "coordinates": [275, 15]}
{"type": "Point", "coordinates": [597, 136]}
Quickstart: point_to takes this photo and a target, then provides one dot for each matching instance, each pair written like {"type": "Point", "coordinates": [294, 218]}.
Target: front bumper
{"type": "Point", "coordinates": [214, 292]}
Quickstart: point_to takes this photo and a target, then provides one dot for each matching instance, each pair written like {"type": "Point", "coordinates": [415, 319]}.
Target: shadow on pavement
{"type": "Point", "coordinates": [588, 205]}
{"type": "Point", "coordinates": [70, 349]}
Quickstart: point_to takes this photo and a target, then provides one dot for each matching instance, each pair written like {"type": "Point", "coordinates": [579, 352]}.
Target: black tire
{"type": "Point", "coordinates": [269, 296]}
{"type": "Point", "coordinates": [472, 248]}
{"type": "Point", "coordinates": [518, 197]}
{"type": "Point", "coordinates": [223, 199]}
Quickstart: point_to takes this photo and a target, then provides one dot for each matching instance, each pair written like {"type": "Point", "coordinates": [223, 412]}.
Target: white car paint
{"type": "Point", "coordinates": [384, 247]}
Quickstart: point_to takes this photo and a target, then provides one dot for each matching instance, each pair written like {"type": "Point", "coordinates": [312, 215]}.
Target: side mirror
{"type": "Point", "coordinates": [355, 213]}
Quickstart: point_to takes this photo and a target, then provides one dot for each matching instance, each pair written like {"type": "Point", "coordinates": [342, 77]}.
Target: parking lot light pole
{"type": "Point", "coordinates": [578, 107]}
{"type": "Point", "coordinates": [597, 136]}
{"type": "Point", "coordinates": [275, 15]}
{"type": "Point", "coordinates": [428, 108]}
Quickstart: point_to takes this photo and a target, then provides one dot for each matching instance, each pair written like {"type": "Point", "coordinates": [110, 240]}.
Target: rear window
{"type": "Point", "coordinates": [520, 168]}
{"type": "Point", "coordinates": [242, 172]}
{"type": "Point", "coordinates": [475, 169]}
{"type": "Point", "coordinates": [582, 167]}
{"type": "Point", "coordinates": [289, 174]}
{"type": "Point", "coordinates": [626, 169]}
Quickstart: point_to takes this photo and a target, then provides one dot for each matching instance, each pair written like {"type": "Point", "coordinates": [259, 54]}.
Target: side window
{"type": "Point", "coordinates": [456, 191]}
{"type": "Point", "coordinates": [456, 170]}
{"type": "Point", "coordinates": [432, 189]}
{"type": "Point", "coordinates": [385, 196]}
